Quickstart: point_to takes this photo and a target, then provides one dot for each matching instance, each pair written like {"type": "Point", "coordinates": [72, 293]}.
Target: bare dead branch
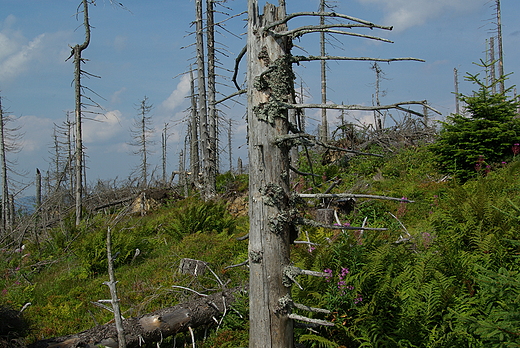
{"type": "Point", "coordinates": [356, 107]}
{"type": "Point", "coordinates": [303, 173]}
{"type": "Point", "coordinates": [239, 92]}
{"type": "Point", "coordinates": [325, 14]}
{"type": "Point", "coordinates": [309, 320]}
{"type": "Point", "coordinates": [323, 29]}
{"type": "Point", "coordinates": [237, 63]}
{"type": "Point", "coordinates": [298, 59]}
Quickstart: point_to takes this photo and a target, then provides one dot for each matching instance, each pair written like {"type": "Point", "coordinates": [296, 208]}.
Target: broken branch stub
{"type": "Point", "coordinates": [193, 267]}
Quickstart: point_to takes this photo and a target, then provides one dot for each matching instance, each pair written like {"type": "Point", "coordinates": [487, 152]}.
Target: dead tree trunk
{"type": "Point", "coordinates": [492, 73]}
{"type": "Point", "coordinates": [203, 110]}
{"type": "Point", "coordinates": [377, 113]}
{"type": "Point", "coordinates": [194, 134]}
{"type": "Point", "coordinates": [212, 110]}
{"type": "Point", "coordinates": [456, 82]}
{"type": "Point", "coordinates": [164, 147]}
{"type": "Point", "coordinates": [270, 80]}
{"type": "Point", "coordinates": [324, 130]}
{"type": "Point", "coordinates": [38, 189]}
{"type": "Point", "coordinates": [3, 163]}
{"type": "Point", "coordinates": [230, 149]}
{"type": "Point", "coordinates": [77, 50]}
{"type": "Point", "coordinates": [500, 48]}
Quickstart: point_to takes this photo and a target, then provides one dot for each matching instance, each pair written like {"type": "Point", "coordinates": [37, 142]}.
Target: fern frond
{"type": "Point", "coordinates": [320, 341]}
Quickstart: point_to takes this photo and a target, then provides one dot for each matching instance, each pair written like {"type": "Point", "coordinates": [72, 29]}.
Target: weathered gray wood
{"type": "Point", "coordinates": [211, 179]}
{"type": "Point", "coordinates": [324, 136]}
{"type": "Point", "coordinates": [205, 146]}
{"type": "Point", "coordinates": [113, 293]}
{"type": "Point", "coordinates": [194, 134]}
{"type": "Point", "coordinates": [500, 48]}
{"type": "Point", "coordinates": [270, 80]}
{"type": "Point", "coordinates": [325, 216]}
{"type": "Point", "coordinates": [4, 185]}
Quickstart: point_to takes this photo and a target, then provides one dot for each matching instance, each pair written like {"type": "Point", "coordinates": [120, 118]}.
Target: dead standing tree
{"type": "Point", "coordinates": [141, 132]}
{"type": "Point", "coordinates": [76, 53]}
{"type": "Point", "coordinates": [270, 80]}
{"type": "Point", "coordinates": [205, 141]}
{"type": "Point", "coordinates": [272, 213]}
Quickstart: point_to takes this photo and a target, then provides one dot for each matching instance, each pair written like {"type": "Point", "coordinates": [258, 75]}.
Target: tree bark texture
{"type": "Point", "coordinates": [270, 80]}
{"type": "Point", "coordinates": [4, 185]}
{"type": "Point", "coordinates": [213, 159]}
{"type": "Point", "coordinates": [152, 327]}
{"type": "Point", "coordinates": [194, 134]}
{"type": "Point", "coordinates": [203, 109]}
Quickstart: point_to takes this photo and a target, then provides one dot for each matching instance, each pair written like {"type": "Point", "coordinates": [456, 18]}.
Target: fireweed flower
{"type": "Point", "coordinates": [344, 272]}
{"type": "Point", "coordinates": [358, 299]}
{"type": "Point", "coordinates": [328, 271]}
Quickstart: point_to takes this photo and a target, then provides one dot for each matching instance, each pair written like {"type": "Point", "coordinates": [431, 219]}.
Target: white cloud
{"type": "Point", "coordinates": [13, 64]}
{"type": "Point", "coordinates": [116, 97]}
{"type": "Point", "coordinates": [103, 127]}
{"type": "Point", "coordinates": [19, 54]}
{"type": "Point", "coordinates": [178, 95]}
{"type": "Point", "coordinates": [404, 14]}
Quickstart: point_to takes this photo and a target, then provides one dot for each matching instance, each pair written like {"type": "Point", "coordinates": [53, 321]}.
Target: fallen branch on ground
{"type": "Point", "coordinates": [152, 327]}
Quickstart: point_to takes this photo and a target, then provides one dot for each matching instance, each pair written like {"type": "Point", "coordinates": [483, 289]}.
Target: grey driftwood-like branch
{"type": "Point", "coordinates": [398, 106]}
{"type": "Point", "coordinates": [325, 14]}
{"type": "Point", "coordinates": [327, 29]}
{"type": "Point", "coordinates": [319, 322]}
{"type": "Point", "coordinates": [298, 59]}
{"type": "Point", "coordinates": [239, 92]}
{"type": "Point", "coordinates": [352, 195]}
{"type": "Point", "coordinates": [113, 293]}
{"type": "Point", "coordinates": [152, 327]}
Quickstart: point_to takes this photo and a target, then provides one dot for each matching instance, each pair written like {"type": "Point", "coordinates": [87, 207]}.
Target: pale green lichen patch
{"type": "Point", "coordinates": [278, 82]}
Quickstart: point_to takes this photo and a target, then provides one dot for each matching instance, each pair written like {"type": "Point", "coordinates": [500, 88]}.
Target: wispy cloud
{"type": "Point", "coordinates": [177, 97]}
{"type": "Point", "coordinates": [404, 14]}
{"type": "Point", "coordinates": [103, 128]}
{"type": "Point", "coordinates": [19, 54]}
{"type": "Point", "coordinates": [17, 62]}
{"type": "Point", "coordinates": [116, 96]}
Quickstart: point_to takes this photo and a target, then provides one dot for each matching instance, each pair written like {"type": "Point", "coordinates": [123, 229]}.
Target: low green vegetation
{"type": "Point", "coordinates": [442, 270]}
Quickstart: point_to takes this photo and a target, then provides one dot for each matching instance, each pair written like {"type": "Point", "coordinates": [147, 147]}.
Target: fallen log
{"type": "Point", "coordinates": [152, 327]}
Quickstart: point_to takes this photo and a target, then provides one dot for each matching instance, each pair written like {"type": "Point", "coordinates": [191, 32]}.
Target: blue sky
{"type": "Point", "coordinates": [138, 52]}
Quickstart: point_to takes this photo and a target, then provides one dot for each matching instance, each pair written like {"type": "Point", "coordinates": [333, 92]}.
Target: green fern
{"type": "Point", "coordinates": [318, 341]}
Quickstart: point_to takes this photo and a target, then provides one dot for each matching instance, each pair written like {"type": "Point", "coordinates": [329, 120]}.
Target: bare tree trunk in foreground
{"type": "Point", "coordinates": [270, 81]}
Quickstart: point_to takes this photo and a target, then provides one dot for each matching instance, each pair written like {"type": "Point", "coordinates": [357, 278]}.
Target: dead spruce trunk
{"type": "Point", "coordinates": [270, 80]}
